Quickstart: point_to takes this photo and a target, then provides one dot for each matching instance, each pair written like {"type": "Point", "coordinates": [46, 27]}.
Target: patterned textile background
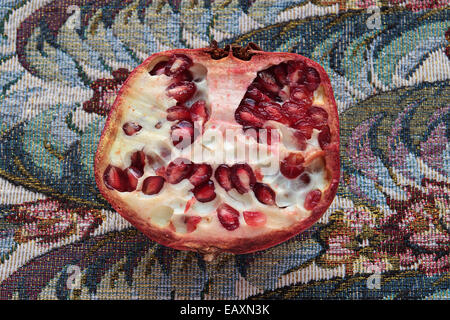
{"type": "Point", "coordinates": [387, 234]}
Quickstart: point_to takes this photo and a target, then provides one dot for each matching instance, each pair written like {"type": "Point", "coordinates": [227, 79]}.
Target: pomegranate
{"type": "Point", "coordinates": [216, 150]}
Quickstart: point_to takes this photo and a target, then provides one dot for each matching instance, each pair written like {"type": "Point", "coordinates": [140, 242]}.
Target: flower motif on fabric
{"type": "Point", "coordinates": [417, 5]}
{"type": "Point", "coordinates": [396, 175]}
{"type": "Point", "coordinates": [105, 92]}
{"type": "Point", "coordinates": [419, 232]}
{"type": "Point", "coordinates": [352, 239]}
{"type": "Point", "coordinates": [414, 236]}
{"type": "Point", "coordinates": [48, 221]}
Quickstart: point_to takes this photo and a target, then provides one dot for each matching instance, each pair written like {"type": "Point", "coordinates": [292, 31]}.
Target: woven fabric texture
{"type": "Point", "coordinates": [386, 235]}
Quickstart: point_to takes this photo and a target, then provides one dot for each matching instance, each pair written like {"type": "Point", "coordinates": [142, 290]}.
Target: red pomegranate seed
{"type": "Point", "coordinates": [182, 134]}
{"type": "Point", "coordinates": [178, 113]}
{"type": "Point", "coordinates": [181, 91]}
{"type": "Point", "coordinates": [319, 117]}
{"type": "Point", "coordinates": [296, 72]}
{"type": "Point", "coordinates": [324, 137]}
{"type": "Point", "coordinates": [177, 64]}
{"type": "Point", "coordinates": [131, 128]}
{"type": "Point", "coordinates": [280, 74]}
{"type": "Point", "coordinates": [242, 177]}
{"type": "Point", "coordinates": [138, 162]}
{"type": "Point", "coordinates": [192, 222]}
{"type": "Point", "coordinates": [159, 68]}
{"type": "Point", "coordinates": [152, 185]}
{"type": "Point", "coordinates": [304, 127]}
{"type": "Point", "coordinates": [223, 177]}
{"type": "Point", "coordinates": [271, 111]}
{"type": "Point", "coordinates": [199, 112]}
{"type": "Point", "coordinates": [256, 94]}
{"type": "Point", "coordinates": [292, 166]}
{"type": "Point", "coordinates": [200, 174]}
{"type": "Point", "coordinates": [115, 179]}
{"type": "Point", "coordinates": [264, 193]}
{"type": "Point", "coordinates": [178, 170]}
{"type": "Point", "coordinates": [249, 103]}
{"type": "Point", "coordinates": [312, 199]}
{"type": "Point", "coordinates": [312, 80]}
{"type": "Point", "coordinates": [183, 76]}
{"type": "Point", "coordinates": [228, 217]}
{"type": "Point", "coordinates": [305, 178]}
{"type": "Point", "coordinates": [254, 218]}
{"type": "Point", "coordinates": [133, 177]}
{"type": "Point", "coordinates": [205, 192]}
{"type": "Point", "coordinates": [301, 94]}
{"type": "Point", "coordinates": [294, 110]}
{"type": "Point", "coordinates": [246, 117]}
{"type": "Point", "coordinates": [267, 81]}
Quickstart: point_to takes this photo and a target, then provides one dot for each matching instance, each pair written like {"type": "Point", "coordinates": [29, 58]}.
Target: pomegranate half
{"type": "Point", "coordinates": [215, 150]}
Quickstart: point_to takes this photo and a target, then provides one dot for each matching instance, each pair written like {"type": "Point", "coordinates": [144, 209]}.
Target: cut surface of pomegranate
{"type": "Point", "coordinates": [207, 151]}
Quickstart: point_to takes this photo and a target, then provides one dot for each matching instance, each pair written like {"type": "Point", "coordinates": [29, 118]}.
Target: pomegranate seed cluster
{"type": "Point", "coordinates": [279, 108]}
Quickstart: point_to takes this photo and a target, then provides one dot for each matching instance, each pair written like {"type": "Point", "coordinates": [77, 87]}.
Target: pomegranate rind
{"type": "Point", "coordinates": [209, 246]}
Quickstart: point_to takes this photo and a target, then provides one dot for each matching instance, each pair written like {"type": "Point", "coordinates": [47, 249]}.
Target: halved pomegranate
{"type": "Point", "coordinates": [167, 164]}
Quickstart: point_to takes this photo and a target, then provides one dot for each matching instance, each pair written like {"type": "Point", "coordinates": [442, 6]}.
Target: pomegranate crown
{"type": "Point", "coordinates": [240, 52]}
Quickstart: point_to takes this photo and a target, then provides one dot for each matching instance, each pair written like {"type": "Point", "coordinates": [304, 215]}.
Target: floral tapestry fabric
{"type": "Point", "coordinates": [387, 233]}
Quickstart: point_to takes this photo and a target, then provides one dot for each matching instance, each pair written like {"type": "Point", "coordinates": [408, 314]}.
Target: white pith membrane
{"type": "Point", "coordinates": [146, 102]}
